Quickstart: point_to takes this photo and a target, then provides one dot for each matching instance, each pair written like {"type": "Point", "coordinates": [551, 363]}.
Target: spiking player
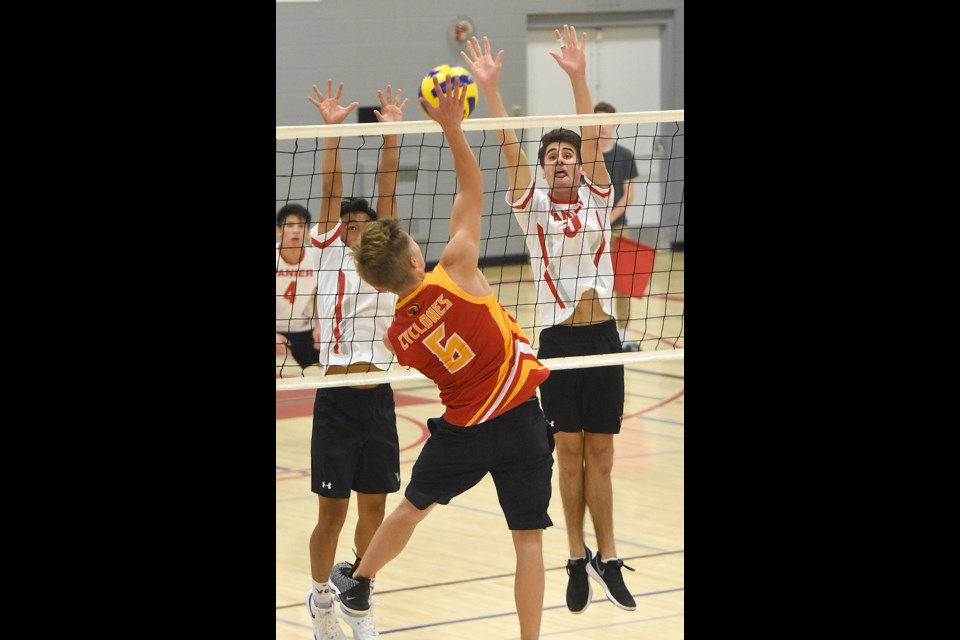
{"type": "Point", "coordinates": [450, 327]}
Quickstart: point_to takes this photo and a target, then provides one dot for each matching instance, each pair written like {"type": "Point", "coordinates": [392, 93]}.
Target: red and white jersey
{"type": "Point", "coordinates": [353, 316]}
{"type": "Point", "coordinates": [569, 246]}
{"type": "Point", "coordinates": [295, 285]}
{"type": "Point", "coordinates": [473, 350]}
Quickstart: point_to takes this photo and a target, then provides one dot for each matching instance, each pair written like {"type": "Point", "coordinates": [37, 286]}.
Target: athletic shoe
{"type": "Point", "coordinates": [631, 346]}
{"type": "Point", "coordinates": [608, 574]}
{"type": "Point", "coordinates": [325, 625]}
{"type": "Point", "coordinates": [354, 593]}
{"type": "Point", "coordinates": [362, 626]}
{"type": "Point", "coordinates": [579, 591]}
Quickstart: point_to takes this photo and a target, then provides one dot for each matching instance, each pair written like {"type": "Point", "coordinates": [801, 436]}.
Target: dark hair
{"type": "Point", "coordinates": [604, 107]}
{"type": "Point", "coordinates": [356, 205]}
{"type": "Point", "coordinates": [558, 135]}
{"type": "Point", "coordinates": [292, 210]}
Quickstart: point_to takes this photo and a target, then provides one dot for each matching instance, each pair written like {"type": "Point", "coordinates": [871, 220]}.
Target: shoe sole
{"type": "Point", "coordinates": [596, 576]}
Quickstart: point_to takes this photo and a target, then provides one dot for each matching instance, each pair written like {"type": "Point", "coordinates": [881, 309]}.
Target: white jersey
{"type": "Point", "coordinates": [353, 316]}
{"type": "Point", "coordinates": [295, 285]}
{"type": "Point", "coordinates": [569, 247]}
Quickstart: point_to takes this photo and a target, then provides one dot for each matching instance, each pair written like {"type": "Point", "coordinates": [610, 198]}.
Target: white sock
{"type": "Point", "coordinates": [322, 595]}
{"type": "Point", "coordinates": [623, 335]}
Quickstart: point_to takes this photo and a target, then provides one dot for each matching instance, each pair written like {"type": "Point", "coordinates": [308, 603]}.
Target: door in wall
{"type": "Point", "coordinates": [624, 69]}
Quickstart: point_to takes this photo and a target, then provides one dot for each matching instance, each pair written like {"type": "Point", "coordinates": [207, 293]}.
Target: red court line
{"type": "Point", "coordinates": [656, 406]}
{"type": "Point", "coordinates": [298, 403]}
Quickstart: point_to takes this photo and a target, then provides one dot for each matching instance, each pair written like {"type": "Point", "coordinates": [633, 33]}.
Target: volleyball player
{"type": "Point", "coordinates": [450, 327]}
{"type": "Point", "coordinates": [354, 444]}
{"type": "Point", "coordinates": [567, 231]}
{"type": "Point", "coordinates": [297, 334]}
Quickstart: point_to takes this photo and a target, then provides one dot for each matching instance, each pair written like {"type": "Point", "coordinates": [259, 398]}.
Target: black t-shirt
{"type": "Point", "coordinates": [621, 167]}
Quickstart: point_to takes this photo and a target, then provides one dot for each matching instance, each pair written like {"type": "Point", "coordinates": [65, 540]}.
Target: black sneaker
{"type": "Point", "coordinates": [354, 593]}
{"type": "Point", "coordinates": [579, 591]}
{"type": "Point", "coordinates": [608, 574]}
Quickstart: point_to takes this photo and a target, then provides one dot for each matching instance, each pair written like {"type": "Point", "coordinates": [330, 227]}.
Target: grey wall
{"type": "Point", "coordinates": [368, 44]}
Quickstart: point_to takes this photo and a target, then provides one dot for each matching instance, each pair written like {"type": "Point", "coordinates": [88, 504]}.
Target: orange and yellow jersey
{"type": "Point", "coordinates": [469, 346]}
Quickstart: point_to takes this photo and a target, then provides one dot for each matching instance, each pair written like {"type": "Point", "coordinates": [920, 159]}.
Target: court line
{"type": "Point", "coordinates": [513, 613]}
{"type": "Point", "coordinates": [612, 624]}
{"type": "Point", "coordinates": [549, 608]}
{"type": "Point", "coordinates": [666, 401]}
{"type": "Point", "coordinates": [500, 575]}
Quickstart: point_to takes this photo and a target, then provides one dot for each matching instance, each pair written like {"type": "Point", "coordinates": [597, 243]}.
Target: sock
{"type": "Point", "coordinates": [580, 558]}
{"type": "Point", "coordinates": [623, 334]}
{"type": "Point", "coordinates": [322, 595]}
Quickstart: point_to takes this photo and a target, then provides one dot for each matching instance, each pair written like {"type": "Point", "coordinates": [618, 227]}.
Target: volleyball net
{"type": "Point", "coordinates": [646, 254]}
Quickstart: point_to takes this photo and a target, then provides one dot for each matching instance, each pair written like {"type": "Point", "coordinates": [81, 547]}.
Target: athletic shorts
{"type": "Point", "coordinates": [515, 448]}
{"type": "Point", "coordinates": [354, 444]}
{"type": "Point", "coordinates": [302, 347]}
{"type": "Point", "coordinates": [589, 399]}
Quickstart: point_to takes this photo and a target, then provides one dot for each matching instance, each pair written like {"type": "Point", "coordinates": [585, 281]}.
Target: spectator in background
{"type": "Point", "coordinates": [622, 169]}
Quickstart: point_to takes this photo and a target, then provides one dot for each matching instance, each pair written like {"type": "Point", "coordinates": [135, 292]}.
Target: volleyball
{"type": "Point", "coordinates": [445, 73]}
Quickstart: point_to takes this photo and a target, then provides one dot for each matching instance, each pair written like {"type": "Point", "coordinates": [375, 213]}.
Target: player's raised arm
{"type": "Point", "coordinates": [573, 61]}
{"type": "Point", "coordinates": [463, 249]}
{"type": "Point", "coordinates": [331, 171]}
{"type": "Point", "coordinates": [486, 73]}
{"type": "Point", "coordinates": [391, 111]}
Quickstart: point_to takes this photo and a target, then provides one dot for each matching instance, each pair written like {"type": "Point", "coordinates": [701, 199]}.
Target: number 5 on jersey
{"type": "Point", "coordinates": [454, 354]}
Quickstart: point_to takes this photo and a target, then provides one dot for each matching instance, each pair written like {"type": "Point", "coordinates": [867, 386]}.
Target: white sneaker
{"type": "Point", "coordinates": [325, 625]}
{"type": "Point", "coordinates": [362, 626]}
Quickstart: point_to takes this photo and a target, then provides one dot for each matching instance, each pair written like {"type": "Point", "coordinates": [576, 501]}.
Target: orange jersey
{"type": "Point", "coordinates": [473, 350]}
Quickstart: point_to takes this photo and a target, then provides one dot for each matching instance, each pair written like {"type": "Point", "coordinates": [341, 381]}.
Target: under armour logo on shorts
{"type": "Point", "coordinates": [326, 485]}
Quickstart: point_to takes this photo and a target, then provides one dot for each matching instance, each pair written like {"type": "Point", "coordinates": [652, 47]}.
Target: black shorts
{"type": "Point", "coordinates": [516, 448]}
{"type": "Point", "coordinates": [302, 347]}
{"type": "Point", "coordinates": [354, 444]}
{"type": "Point", "coordinates": [588, 399]}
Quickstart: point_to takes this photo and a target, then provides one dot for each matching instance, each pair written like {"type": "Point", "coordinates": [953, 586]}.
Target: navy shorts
{"type": "Point", "coordinates": [354, 444]}
{"type": "Point", "coordinates": [515, 448]}
{"type": "Point", "coordinates": [588, 399]}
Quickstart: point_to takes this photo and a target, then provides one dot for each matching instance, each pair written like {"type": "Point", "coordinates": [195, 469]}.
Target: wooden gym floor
{"type": "Point", "coordinates": [455, 577]}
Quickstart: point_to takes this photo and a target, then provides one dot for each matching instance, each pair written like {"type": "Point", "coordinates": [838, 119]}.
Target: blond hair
{"type": "Point", "coordinates": [382, 255]}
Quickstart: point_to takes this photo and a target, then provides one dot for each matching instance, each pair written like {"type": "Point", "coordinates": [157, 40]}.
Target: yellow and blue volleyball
{"type": "Point", "coordinates": [445, 73]}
